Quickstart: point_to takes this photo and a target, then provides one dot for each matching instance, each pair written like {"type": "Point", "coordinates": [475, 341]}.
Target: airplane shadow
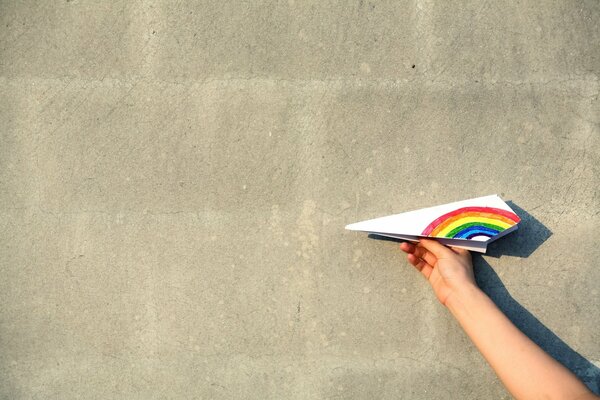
{"type": "Point", "coordinates": [522, 243]}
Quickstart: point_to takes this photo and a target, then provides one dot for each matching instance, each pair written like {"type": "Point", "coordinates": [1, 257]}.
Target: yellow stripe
{"type": "Point", "coordinates": [457, 223]}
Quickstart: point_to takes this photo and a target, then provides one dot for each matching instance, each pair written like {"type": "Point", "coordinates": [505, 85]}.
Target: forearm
{"type": "Point", "coordinates": [524, 368]}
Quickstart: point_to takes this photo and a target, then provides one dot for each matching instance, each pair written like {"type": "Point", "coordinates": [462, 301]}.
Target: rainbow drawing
{"type": "Point", "coordinates": [472, 223]}
{"type": "Point", "coordinates": [467, 224]}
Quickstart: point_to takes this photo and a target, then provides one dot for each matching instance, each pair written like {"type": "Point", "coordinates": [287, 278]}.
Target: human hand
{"type": "Point", "coordinates": [448, 270]}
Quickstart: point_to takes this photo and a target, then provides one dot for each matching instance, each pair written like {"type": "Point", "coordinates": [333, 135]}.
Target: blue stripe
{"type": "Point", "coordinates": [471, 231]}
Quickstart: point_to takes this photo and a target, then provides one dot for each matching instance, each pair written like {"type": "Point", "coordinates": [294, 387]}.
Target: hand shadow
{"type": "Point", "coordinates": [491, 284]}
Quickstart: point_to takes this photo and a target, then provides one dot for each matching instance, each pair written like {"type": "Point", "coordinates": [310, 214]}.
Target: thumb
{"type": "Point", "coordinates": [438, 249]}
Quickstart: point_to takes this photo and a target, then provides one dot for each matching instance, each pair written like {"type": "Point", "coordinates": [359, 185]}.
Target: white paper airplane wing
{"type": "Point", "coordinates": [476, 220]}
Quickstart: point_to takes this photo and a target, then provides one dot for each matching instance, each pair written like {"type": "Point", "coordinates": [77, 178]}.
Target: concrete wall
{"type": "Point", "coordinates": [175, 178]}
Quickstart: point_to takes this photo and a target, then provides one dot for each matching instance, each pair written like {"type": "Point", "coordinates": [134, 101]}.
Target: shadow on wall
{"type": "Point", "coordinates": [522, 243]}
{"type": "Point", "coordinates": [491, 284]}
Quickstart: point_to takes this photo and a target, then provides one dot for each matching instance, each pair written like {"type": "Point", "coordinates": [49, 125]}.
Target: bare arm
{"type": "Point", "coordinates": [524, 368]}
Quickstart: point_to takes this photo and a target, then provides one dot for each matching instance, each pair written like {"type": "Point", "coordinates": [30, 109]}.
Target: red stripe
{"type": "Point", "coordinates": [491, 210]}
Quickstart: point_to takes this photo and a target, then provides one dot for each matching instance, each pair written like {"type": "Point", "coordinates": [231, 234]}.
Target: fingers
{"type": "Point", "coordinates": [427, 270]}
{"type": "Point", "coordinates": [425, 254]}
{"type": "Point", "coordinates": [420, 264]}
{"type": "Point", "coordinates": [461, 252]}
{"type": "Point", "coordinates": [438, 249]}
{"type": "Point", "coordinates": [407, 247]}
{"type": "Point", "coordinates": [419, 257]}
{"type": "Point", "coordinates": [418, 251]}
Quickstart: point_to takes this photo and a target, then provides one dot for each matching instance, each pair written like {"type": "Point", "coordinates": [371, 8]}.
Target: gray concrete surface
{"type": "Point", "coordinates": [175, 178]}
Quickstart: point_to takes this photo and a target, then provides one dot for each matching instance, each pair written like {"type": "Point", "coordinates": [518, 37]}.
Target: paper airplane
{"type": "Point", "coordinates": [468, 224]}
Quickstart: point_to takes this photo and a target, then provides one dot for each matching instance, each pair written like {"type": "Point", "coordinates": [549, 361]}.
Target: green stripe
{"type": "Point", "coordinates": [454, 231]}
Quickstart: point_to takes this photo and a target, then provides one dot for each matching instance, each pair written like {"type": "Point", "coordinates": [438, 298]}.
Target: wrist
{"type": "Point", "coordinates": [464, 298]}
